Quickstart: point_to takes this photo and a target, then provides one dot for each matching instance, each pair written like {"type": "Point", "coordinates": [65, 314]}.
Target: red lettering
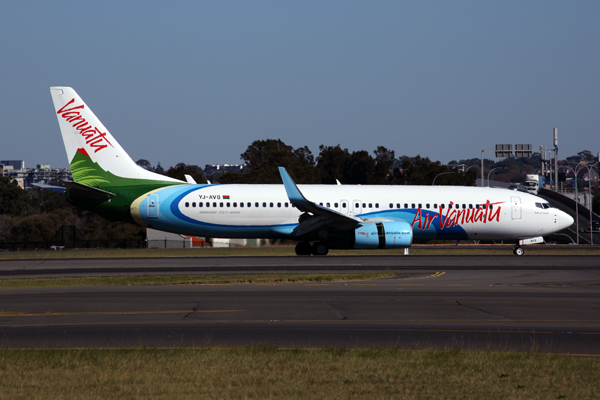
{"type": "Point", "coordinates": [92, 136]}
{"type": "Point", "coordinates": [417, 218]}
{"type": "Point", "coordinates": [70, 109]}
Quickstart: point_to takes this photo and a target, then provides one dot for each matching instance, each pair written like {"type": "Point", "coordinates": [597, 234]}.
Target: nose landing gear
{"type": "Point", "coordinates": [518, 250]}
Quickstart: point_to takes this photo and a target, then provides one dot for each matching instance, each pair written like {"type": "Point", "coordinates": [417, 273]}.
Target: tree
{"type": "Point", "coordinates": [422, 171]}
{"type": "Point", "coordinates": [263, 157]}
{"type": "Point", "coordinates": [145, 164]}
{"type": "Point", "coordinates": [384, 159]}
{"type": "Point", "coordinates": [181, 169]}
{"type": "Point", "coordinates": [332, 163]}
{"type": "Point", "coordinates": [13, 199]}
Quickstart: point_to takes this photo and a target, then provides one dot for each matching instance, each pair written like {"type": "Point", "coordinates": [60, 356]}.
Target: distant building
{"type": "Point", "coordinates": [26, 177]}
{"type": "Point", "coordinates": [214, 172]}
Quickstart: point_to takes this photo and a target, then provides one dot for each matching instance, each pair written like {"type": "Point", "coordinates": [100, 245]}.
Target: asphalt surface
{"type": "Point", "coordinates": [549, 304]}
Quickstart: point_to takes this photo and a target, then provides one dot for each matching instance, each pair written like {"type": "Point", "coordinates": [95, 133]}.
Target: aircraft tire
{"type": "Point", "coordinates": [518, 251]}
{"type": "Point", "coordinates": [303, 249]}
{"type": "Point", "coordinates": [319, 249]}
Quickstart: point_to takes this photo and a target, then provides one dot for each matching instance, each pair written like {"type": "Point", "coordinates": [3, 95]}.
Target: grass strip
{"type": "Point", "coordinates": [266, 372]}
{"type": "Point", "coordinates": [125, 280]}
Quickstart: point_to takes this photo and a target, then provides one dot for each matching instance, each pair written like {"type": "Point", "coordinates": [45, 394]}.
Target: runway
{"type": "Point", "coordinates": [463, 302]}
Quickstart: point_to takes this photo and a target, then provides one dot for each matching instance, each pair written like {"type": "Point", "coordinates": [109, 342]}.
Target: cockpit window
{"type": "Point", "coordinates": [538, 205]}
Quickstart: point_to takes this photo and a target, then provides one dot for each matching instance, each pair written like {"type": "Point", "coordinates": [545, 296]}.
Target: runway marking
{"type": "Point", "coordinates": [51, 314]}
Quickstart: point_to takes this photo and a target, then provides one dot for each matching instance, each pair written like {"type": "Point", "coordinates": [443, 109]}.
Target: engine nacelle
{"type": "Point", "coordinates": [383, 235]}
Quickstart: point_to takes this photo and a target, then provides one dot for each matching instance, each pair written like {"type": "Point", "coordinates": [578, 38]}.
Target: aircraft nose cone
{"type": "Point", "coordinates": [565, 220]}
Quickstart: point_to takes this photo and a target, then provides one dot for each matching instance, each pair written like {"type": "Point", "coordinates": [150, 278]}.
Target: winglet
{"type": "Point", "coordinates": [296, 197]}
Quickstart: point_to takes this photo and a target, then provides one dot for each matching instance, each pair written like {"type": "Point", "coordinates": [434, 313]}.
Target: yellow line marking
{"type": "Point", "coordinates": [51, 314]}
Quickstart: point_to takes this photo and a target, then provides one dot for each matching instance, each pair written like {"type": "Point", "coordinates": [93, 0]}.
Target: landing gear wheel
{"type": "Point", "coordinates": [319, 249]}
{"type": "Point", "coordinates": [303, 249]}
{"type": "Point", "coordinates": [518, 251]}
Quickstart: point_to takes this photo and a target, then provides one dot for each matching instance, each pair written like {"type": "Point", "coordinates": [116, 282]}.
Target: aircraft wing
{"type": "Point", "coordinates": [315, 216]}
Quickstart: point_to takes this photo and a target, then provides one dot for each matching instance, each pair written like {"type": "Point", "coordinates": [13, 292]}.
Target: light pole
{"type": "Point", "coordinates": [491, 172]}
{"type": "Point", "coordinates": [576, 204]}
{"type": "Point", "coordinates": [442, 173]}
{"type": "Point", "coordinates": [589, 168]}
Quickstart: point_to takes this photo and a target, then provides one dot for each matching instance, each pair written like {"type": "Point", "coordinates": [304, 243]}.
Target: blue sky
{"type": "Point", "coordinates": [197, 82]}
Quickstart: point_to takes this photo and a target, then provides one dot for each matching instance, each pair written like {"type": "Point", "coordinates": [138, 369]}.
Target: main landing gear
{"type": "Point", "coordinates": [306, 249]}
{"type": "Point", "coordinates": [518, 250]}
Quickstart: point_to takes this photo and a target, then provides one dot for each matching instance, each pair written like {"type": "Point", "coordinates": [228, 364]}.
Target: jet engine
{"type": "Point", "coordinates": [383, 235]}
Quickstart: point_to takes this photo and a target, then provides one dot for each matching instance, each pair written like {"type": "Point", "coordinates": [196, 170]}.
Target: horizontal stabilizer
{"type": "Point", "coordinates": [58, 189]}
{"type": "Point", "coordinates": [87, 192]}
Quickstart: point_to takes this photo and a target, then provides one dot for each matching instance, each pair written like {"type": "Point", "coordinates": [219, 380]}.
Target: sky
{"type": "Point", "coordinates": [198, 81]}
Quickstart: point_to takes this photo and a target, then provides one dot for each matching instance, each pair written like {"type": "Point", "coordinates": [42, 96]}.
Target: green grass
{"type": "Point", "coordinates": [124, 280]}
{"type": "Point", "coordinates": [289, 251]}
{"type": "Point", "coordinates": [269, 373]}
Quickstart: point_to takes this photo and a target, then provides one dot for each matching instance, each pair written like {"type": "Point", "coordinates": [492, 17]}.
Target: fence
{"type": "Point", "coordinates": [70, 244]}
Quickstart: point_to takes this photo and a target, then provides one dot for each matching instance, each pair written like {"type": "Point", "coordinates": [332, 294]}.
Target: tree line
{"type": "Point", "coordinates": [334, 163]}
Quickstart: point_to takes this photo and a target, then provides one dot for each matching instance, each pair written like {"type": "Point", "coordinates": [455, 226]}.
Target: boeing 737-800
{"type": "Point", "coordinates": [320, 217]}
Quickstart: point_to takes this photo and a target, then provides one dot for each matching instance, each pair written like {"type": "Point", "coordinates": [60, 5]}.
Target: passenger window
{"type": "Point", "coordinates": [391, 205]}
{"type": "Point", "coordinates": [442, 206]}
{"type": "Point", "coordinates": [320, 204]}
{"type": "Point", "coordinates": [376, 205]}
{"type": "Point", "coordinates": [279, 205]}
{"type": "Point", "coordinates": [335, 205]}
{"type": "Point", "coordinates": [464, 206]}
{"type": "Point", "coordinates": [435, 205]}
{"type": "Point", "coordinates": [193, 204]}
{"type": "Point", "coordinates": [405, 205]}
{"type": "Point", "coordinates": [264, 204]}
{"type": "Point", "coordinates": [256, 205]}
{"type": "Point", "coordinates": [420, 205]}
{"type": "Point", "coordinates": [228, 204]}
{"type": "Point", "coordinates": [343, 205]}
{"type": "Point", "coordinates": [235, 204]}
{"type": "Point", "coordinates": [271, 205]}
{"type": "Point", "coordinates": [249, 204]}
{"type": "Point", "coordinates": [413, 205]}
{"type": "Point", "coordinates": [214, 204]}
{"type": "Point", "coordinates": [370, 205]}
{"type": "Point", "coordinates": [397, 205]}
{"type": "Point", "coordinates": [328, 205]}
{"type": "Point", "coordinates": [241, 204]}
{"type": "Point", "coordinates": [356, 205]}
{"type": "Point", "coordinates": [286, 204]}
{"type": "Point", "coordinates": [428, 205]}
{"type": "Point", "coordinates": [187, 204]}
{"type": "Point", "coordinates": [201, 204]}
{"type": "Point", "coordinates": [364, 205]}
{"type": "Point", "coordinates": [470, 205]}
{"type": "Point", "coordinates": [207, 204]}
{"type": "Point", "coordinates": [220, 204]}
{"type": "Point", "coordinates": [491, 206]}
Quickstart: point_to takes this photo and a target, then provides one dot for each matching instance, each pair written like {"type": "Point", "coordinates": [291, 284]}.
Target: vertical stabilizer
{"type": "Point", "coordinates": [95, 157]}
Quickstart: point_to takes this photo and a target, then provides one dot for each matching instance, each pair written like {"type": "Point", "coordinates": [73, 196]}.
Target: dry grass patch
{"type": "Point", "coordinates": [266, 372]}
{"type": "Point", "coordinates": [124, 280]}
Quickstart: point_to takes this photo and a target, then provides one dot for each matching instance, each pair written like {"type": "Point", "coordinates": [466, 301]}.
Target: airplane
{"type": "Point", "coordinates": [319, 217]}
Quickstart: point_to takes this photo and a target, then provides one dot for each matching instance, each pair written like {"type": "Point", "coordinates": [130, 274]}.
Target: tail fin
{"type": "Point", "coordinates": [95, 157]}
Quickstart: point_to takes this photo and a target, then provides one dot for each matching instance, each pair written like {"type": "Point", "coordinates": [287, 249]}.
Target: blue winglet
{"type": "Point", "coordinates": [296, 197]}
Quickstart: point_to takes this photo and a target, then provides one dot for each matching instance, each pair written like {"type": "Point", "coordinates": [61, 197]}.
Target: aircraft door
{"type": "Point", "coordinates": [515, 207]}
{"type": "Point", "coordinates": [152, 206]}
{"type": "Point", "coordinates": [356, 207]}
